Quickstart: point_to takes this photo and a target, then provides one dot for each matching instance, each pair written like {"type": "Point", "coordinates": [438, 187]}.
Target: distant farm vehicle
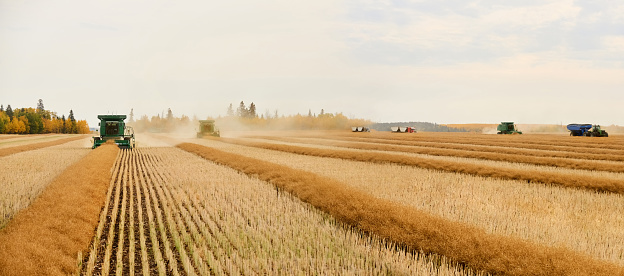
{"type": "Point", "coordinates": [507, 128]}
{"type": "Point", "coordinates": [587, 130]}
{"type": "Point", "coordinates": [113, 127]}
{"type": "Point", "coordinates": [360, 129]}
{"type": "Point", "coordinates": [207, 128]}
{"type": "Point", "coordinates": [403, 129]}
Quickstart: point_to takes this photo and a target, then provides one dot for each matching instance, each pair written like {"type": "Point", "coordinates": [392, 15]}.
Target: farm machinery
{"type": "Point", "coordinates": [587, 130]}
{"type": "Point", "coordinates": [207, 128]}
{"type": "Point", "coordinates": [113, 127]}
{"type": "Point", "coordinates": [360, 129]}
{"type": "Point", "coordinates": [507, 128]}
{"type": "Point", "coordinates": [403, 129]}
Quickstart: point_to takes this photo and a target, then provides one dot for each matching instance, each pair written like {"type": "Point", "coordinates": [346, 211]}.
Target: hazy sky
{"type": "Point", "coordinates": [439, 61]}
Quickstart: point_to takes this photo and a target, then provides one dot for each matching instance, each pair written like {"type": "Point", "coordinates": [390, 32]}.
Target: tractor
{"type": "Point", "coordinates": [207, 128]}
{"type": "Point", "coordinates": [507, 128]}
{"type": "Point", "coordinates": [587, 130]}
{"type": "Point", "coordinates": [113, 127]}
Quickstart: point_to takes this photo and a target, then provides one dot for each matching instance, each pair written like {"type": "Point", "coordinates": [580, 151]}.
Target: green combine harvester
{"type": "Point", "coordinates": [207, 128]}
{"type": "Point", "coordinates": [113, 127]}
{"type": "Point", "coordinates": [507, 128]}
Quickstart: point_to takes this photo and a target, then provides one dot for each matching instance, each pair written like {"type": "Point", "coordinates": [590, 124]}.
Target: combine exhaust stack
{"type": "Point", "coordinates": [113, 127]}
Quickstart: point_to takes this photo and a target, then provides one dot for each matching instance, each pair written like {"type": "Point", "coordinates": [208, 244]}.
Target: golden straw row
{"type": "Point", "coordinates": [33, 146]}
{"type": "Point", "coordinates": [477, 148]}
{"type": "Point", "coordinates": [25, 175]}
{"type": "Point", "coordinates": [612, 147]}
{"type": "Point", "coordinates": [542, 161]}
{"type": "Point", "coordinates": [415, 229]}
{"type": "Point", "coordinates": [542, 214]}
{"type": "Point", "coordinates": [590, 183]}
{"type": "Point", "coordinates": [51, 234]}
{"type": "Point", "coordinates": [209, 219]}
{"type": "Point", "coordinates": [613, 142]}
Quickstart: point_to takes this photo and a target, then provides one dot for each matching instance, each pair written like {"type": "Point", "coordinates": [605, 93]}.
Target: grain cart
{"type": "Point", "coordinates": [207, 127]}
{"type": "Point", "coordinates": [113, 127]}
{"type": "Point", "coordinates": [403, 129]}
{"type": "Point", "coordinates": [587, 130]}
{"type": "Point", "coordinates": [360, 129]}
{"type": "Point", "coordinates": [507, 128]}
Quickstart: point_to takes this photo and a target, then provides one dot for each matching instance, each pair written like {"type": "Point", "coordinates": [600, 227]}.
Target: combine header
{"type": "Point", "coordinates": [207, 128]}
{"type": "Point", "coordinates": [360, 129]}
{"type": "Point", "coordinates": [112, 127]}
{"type": "Point", "coordinates": [403, 129]}
{"type": "Point", "coordinates": [507, 128]}
{"type": "Point", "coordinates": [587, 130]}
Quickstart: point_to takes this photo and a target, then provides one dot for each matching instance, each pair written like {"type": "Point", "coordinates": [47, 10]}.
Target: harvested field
{"type": "Point", "coordinates": [19, 140]}
{"type": "Point", "coordinates": [26, 174]}
{"type": "Point", "coordinates": [33, 144]}
{"type": "Point", "coordinates": [163, 216]}
{"type": "Point", "coordinates": [344, 203]}
{"type": "Point", "coordinates": [535, 212]}
{"type": "Point", "coordinates": [50, 235]}
{"type": "Point", "coordinates": [414, 229]}
{"type": "Point", "coordinates": [496, 156]}
{"type": "Point", "coordinates": [591, 183]}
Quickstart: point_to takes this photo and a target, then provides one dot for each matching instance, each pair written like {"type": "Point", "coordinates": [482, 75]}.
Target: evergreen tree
{"type": "Point", "coordinates": [40, 107]}
{"type": "Point", "coordinates": [230, 111]}
{"type": "Point", "coordinates": [63, 129]}
{"type": "Point", "coordinates": [71, 116]}
{"type": "Point", "coordinates": [9, 112]}
{"type": "Point", "coordinates": [242, 110]}
{"type": "Point", "coordinates": [309, 112]}
{"type": "Point", "coordinates": [131, 115]}
{"type": "Point", "coordinates": [169, 115]}
{"type": "Point", "coordinates": [1, 108]}
{"type": "Point", "coordinates": [252, 111]}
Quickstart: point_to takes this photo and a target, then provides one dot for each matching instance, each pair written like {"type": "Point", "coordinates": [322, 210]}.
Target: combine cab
{"type": "Point", "coordinates": [403, 129]}
{"type": "Point", "coordinates": [587, 130]}
{"type": "Point", "coordinates": [207, 128]}
{"type": "Point", "coordinates": [112, 127]}
{"type": "Point", "coordinates": [360, 129]}
{"type": "Point", "coordinates": [507, 128]}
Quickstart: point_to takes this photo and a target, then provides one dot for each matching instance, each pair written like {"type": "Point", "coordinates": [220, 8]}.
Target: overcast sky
{"type": "Point", "coordinates": [450, 61]}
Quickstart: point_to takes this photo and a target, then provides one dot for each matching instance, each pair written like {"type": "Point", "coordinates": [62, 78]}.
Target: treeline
{"type": "Point", "coordinates": [247, 118]}
{"type": "Point", "coordinates": [38, 121]}
{"type": "Point", "coordinates": [419, 126]}
{"type": "Point", "coordinates": [158, 123]}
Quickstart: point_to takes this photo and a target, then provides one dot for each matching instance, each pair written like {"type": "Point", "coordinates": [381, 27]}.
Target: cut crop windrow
{"type": "Point", "coordinates": [469, 147]}
{"type": "Point", "coordinates": [71, 205]}
{"type": "Point", "coordinates": [610, 146]}
{"type": "Point", "coordinates": [34, 146]}
{"type": "Point", "coordinates": [590, 183]}
{"type": "Point", "coordinates": [535, 160]}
